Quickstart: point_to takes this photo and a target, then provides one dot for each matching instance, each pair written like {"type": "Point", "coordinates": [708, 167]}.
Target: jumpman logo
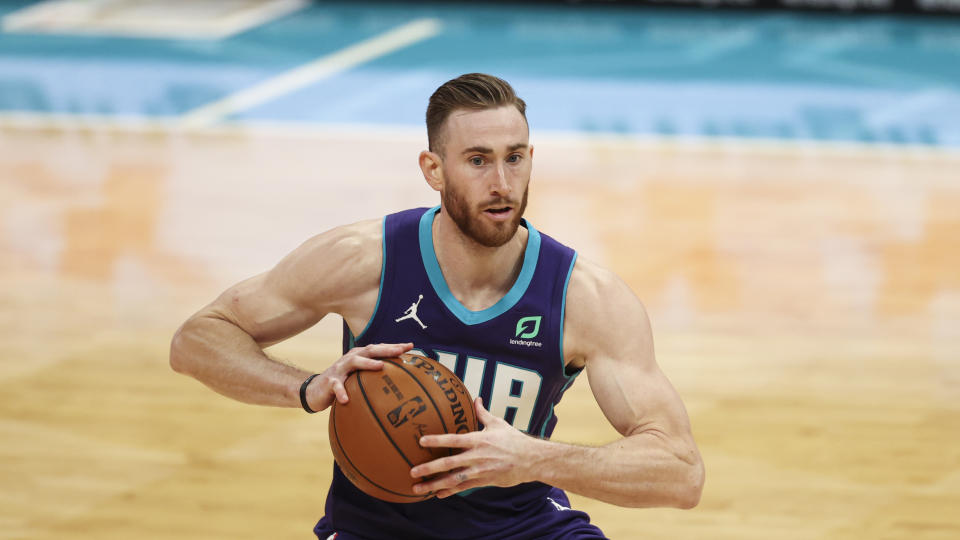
{"type": "Point", "coordinates": [411, 313]}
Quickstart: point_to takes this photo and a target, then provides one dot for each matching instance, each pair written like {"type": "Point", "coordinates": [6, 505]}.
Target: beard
{"type": "Point", "coordinates": [484, 232]}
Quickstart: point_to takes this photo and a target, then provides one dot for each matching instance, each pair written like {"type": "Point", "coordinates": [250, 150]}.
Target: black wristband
{"type": "Point", "coordinates": [303, 394]}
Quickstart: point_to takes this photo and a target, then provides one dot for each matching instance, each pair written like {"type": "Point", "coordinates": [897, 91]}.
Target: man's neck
{"type": "Point", "coordinates": [477, 275]}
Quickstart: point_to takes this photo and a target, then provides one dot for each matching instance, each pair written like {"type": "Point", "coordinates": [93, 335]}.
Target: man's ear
{"type": "Point", "coordinates": [432, 169]}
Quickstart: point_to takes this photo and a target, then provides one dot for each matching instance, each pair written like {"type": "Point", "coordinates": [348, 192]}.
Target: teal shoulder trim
{"type": "Point", "coordinates": [383, 277]}
{"type": "Point", "coordinates": [429, 256]}
{"type": "Point", "coordinates": [563, 311]}
{"type": "Point", "coordinates": [570, 379]}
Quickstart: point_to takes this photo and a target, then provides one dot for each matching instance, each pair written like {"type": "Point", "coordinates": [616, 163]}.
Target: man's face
{"type": "Point", "coordinates": [487, 161]}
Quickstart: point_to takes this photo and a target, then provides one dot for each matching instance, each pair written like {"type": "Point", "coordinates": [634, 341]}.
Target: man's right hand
{"type": "Point", "coordinates": [328, 386]}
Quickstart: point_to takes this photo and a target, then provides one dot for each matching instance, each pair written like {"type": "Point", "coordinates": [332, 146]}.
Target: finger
{"type": "Point", "coordinates": [482, 413]}
{"type": "Point", "coordinates": [484, 417]}
{"type": "Point", "coordinates": [340, 391]}
{"type": "Point", "coordinates": [386, 350]}
{"type": "Point", "coordinates": [439, 465]}
{"type": "Point", "coordinates": [445, 482]}
{"type": "Point", "coordinates": [362, 362]}
{"type": "Point", "coordinates": [443, 494]}
{"type": "Point", "coordinates": [448, 440]}
{"type": "Point", "coordinates": [456, 481]}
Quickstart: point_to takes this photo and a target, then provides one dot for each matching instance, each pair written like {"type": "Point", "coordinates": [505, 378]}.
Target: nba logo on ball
{"type": "Point", "coordinates": [409, 409]}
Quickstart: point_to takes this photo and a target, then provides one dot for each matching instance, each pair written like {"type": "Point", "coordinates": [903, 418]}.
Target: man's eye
{"type": "Point", "coordinates": [476, 160]}
{"type": "Point", "coordinates": [514, 158]}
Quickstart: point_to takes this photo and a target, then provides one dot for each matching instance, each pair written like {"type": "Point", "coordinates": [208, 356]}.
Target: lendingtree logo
{"type": "Point", "coordinates": [523, 323]}
{"type": "Point", "coordinates": [527, 328]}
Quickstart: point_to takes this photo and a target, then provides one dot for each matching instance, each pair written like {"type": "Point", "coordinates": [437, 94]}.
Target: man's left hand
{"type": "Point", "coordinates": [497, 455]}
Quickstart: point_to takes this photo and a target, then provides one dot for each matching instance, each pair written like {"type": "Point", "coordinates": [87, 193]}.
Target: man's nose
{"type": "Point", "coordinates": [501, 184]}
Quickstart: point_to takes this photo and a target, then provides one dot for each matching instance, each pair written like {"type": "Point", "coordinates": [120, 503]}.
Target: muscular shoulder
{"type": "Point", "coordinates": [602, 314]}
{"type": "Point", "coordinates": [332, 269]}
{"type": "Point", "coordinates": [346, 241]}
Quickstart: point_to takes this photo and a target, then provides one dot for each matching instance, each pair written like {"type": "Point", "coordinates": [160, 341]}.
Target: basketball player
{"type": "Point", "coordinates": [517, 315]}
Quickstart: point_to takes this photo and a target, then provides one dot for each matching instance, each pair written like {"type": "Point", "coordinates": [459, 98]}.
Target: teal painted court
{"type": "Point", "coordinates": [620, 70]}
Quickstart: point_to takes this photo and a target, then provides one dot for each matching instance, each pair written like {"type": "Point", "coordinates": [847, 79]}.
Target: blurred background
{"type": "Point", "coordinates": [777, 180]}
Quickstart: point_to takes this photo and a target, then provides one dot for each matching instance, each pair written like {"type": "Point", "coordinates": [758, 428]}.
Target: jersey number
{"type": "Point", "coordinates": [513, 395]}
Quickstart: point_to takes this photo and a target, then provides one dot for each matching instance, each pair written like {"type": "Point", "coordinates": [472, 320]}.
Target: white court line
{"type": "Point", "coordinates": [199, 19]}
{"type": "Point", "coordinates": [312, 72]}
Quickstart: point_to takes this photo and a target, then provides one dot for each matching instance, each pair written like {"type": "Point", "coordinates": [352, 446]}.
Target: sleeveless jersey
{"type": "Point", "coordinates": [510, 354]}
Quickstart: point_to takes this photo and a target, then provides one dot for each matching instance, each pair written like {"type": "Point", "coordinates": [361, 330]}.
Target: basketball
{"type": "Point", "coordinates": [375, 437]}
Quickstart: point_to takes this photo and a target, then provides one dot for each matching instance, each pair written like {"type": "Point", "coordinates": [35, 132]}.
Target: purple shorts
{"type": "Point", "coordinates": [551, 520]}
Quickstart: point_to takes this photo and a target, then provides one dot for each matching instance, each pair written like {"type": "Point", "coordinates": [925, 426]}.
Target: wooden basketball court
{"type": "Point", "coordinates": [805, 301]}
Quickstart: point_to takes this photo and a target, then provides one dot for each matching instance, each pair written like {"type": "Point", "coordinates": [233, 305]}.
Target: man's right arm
{"type": "Point", "coordinates": [334, 272]}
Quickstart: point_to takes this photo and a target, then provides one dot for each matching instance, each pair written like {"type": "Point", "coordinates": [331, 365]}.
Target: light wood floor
{"type": "Point", "coordinates": [805, 302]}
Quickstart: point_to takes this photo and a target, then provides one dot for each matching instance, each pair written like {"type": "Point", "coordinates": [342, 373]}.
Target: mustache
{"type": "Point", "coordinates": [500, 203]}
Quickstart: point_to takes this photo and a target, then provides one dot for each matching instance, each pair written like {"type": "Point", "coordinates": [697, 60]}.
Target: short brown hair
{"type": "Point", "coordinates": [474, 91]}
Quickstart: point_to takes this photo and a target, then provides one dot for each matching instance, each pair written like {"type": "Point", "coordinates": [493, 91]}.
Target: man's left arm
{"type": "Point", "coordinates": [656, 463]}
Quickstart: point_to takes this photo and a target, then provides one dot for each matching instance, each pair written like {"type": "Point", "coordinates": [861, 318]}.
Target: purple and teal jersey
{"type": "Point", "coordinates": [510, 354]}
